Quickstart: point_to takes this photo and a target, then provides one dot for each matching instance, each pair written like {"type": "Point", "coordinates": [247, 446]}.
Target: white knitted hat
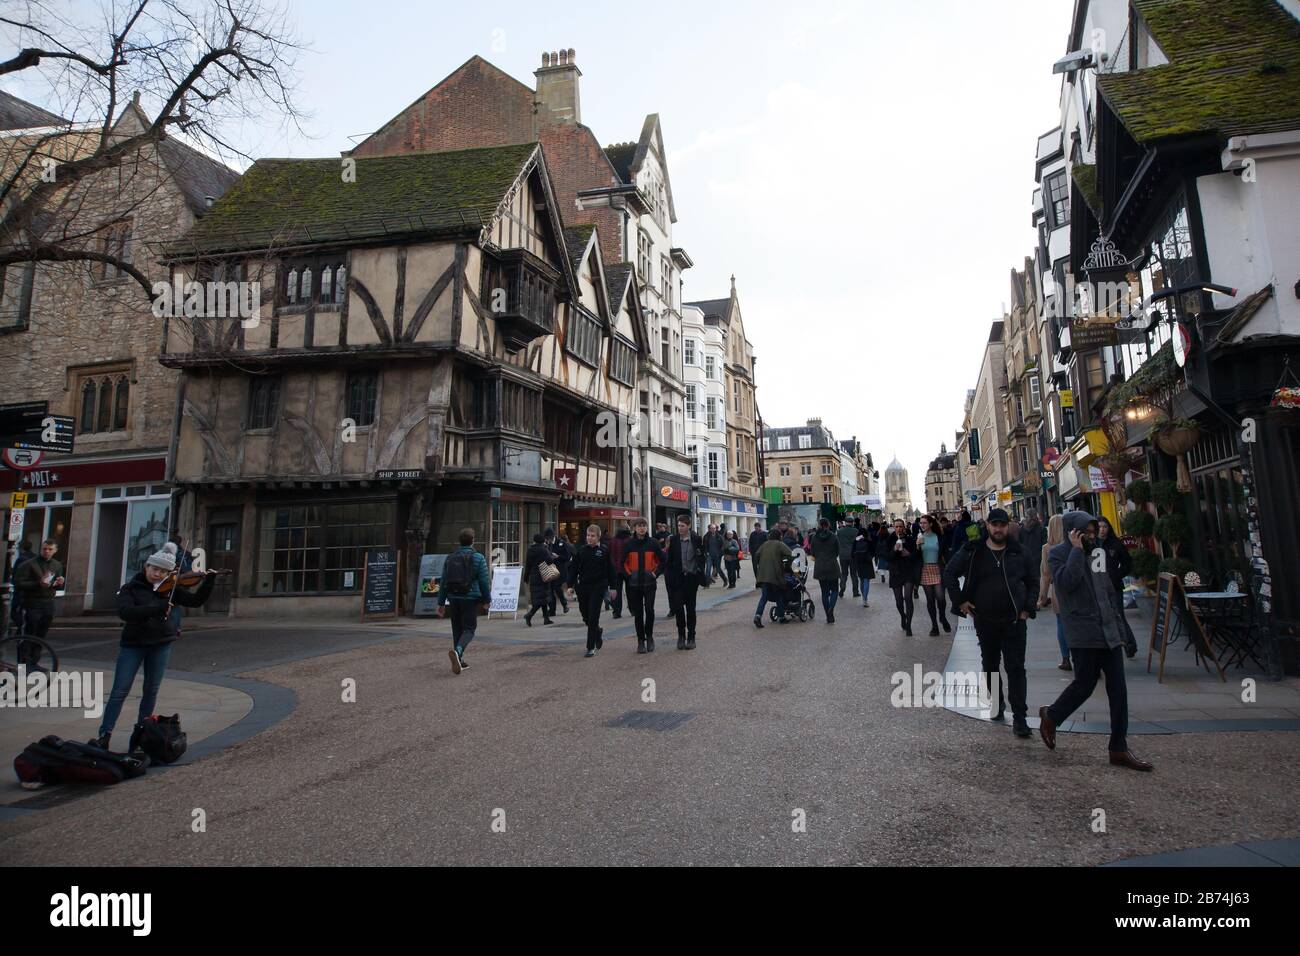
{"type": "Point", "coordinates": [165, 559]}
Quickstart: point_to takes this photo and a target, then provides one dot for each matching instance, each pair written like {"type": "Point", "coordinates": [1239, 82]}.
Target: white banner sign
{"type": "Point", "coordinates": [505, 589]}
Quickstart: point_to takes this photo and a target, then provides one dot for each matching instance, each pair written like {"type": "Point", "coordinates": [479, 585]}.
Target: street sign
{"type": "Point", "coordinates": [21, 459]}
{"type": "Point", "coordinates": [1182, 339]}
{"type": "Point", "coordinates": [16, 524]}
{"type": "Point", "coordinates": [54, 433]}
{"type": "Point", "coordinates": [18, 500]}
{"type": "Point", "coordinates": [22, 417]}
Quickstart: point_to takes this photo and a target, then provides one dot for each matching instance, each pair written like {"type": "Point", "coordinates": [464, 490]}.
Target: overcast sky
{"type": "Point", "coordinates": [865, 169]}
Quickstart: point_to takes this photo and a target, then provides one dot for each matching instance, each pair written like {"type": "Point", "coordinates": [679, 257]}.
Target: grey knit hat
{"type": "Point", "coordinates": [165, 559]}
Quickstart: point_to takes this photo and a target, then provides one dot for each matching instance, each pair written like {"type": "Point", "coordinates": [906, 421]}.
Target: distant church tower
{"type": "Point", "coordinates": [898, 499]}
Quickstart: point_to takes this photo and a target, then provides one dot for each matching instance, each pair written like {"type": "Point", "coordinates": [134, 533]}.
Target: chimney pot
{"type": "Point", "coordinates": [546, 59]}
{"type": "Point", "coordinates": [573, 56]}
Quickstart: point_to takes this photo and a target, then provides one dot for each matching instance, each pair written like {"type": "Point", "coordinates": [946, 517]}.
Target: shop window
{"type": "Point", "coordinates": [506, 528]}
{"type": "Point", "coordinates": [148, 525]}
{"type": "Point", "coordinates": [313, 548]}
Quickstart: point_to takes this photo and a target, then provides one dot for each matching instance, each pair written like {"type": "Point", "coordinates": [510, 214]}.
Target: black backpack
{"type": "Point", "coordinates": [458, 572]}
{"type": "Point", "coordinates": [54, 760]}
{"type": "Point", "coordinates": [161, 738]}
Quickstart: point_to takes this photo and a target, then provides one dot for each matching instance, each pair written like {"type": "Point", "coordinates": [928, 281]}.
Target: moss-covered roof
{"type": "Point", "coordinates": [1158, 374]}
{"type": "Point", "coordinates": [1234, 67]}
{"type": "Point", "coordinates": [297, 202]}
{"type": "Point", "coordinates": [1085, 181]}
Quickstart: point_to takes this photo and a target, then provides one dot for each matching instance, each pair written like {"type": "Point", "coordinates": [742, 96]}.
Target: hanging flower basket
{"type": "Point", "coordinates": [1286, 397]}
{"type": "Point", "coordinates": [1177, 439]}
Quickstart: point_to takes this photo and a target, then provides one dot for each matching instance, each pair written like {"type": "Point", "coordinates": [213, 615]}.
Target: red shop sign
{"type": "Point", "coordinates": [92, 473]}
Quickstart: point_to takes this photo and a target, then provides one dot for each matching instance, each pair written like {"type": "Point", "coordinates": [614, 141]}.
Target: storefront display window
{"type": "Point", "coordinates": [147, 530]}
{"type": "Point", "coordinates": [320, 547]}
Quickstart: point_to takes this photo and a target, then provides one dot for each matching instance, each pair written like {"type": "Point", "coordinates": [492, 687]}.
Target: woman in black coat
{"type": "Point", "coordinates": [904, 571]}
{"type": "Point", "coordinates": [539, 590]}
{"type": "Point", "coordinates": [151, 624]}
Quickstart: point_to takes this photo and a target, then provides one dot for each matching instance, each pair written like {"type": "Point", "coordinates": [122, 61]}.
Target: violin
{"type": "Point", "coordinates": [187, 579]}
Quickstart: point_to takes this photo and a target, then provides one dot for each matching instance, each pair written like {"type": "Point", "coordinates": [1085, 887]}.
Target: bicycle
{"type": "Point", "coordinates": [33, 652]}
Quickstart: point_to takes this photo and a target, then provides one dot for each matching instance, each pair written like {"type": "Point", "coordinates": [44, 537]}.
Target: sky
{"type": "Point", "coordinates": [864, 169]}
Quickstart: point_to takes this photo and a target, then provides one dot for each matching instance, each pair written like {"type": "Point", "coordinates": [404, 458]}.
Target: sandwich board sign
{"type": "Point", "coordinates": [505, 590]}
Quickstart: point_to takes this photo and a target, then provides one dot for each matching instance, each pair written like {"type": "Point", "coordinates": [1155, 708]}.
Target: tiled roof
{"type": "Point", "coordinates": [575, 237]}
{"type": "Point", "coordinates": [1085, 181]}
{"type": "Point", "coordinates": [197, 175]}
{"type": "Point", "coordinates": [19, 114]}
{"type": "Point", "coordinates": [1234, 67]}
{"type": "Point", "coordinates": [295, 202]}
{"type": "Point", "coordinates": [618, 276]}
{"type": "Point", "coordinates": [620, 156]}
{"type": "Point", "coordinates": [710, 307]}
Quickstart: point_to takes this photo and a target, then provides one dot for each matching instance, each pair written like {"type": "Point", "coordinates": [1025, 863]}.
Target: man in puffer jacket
{"type": "Point", "coordinates": [1094, 634]}
{"type": "Point", "coordinates": [640, 566]}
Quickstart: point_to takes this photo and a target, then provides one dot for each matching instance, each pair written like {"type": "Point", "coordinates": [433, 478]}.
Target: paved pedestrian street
{"type": "Point", "coordinates": [743, 738]}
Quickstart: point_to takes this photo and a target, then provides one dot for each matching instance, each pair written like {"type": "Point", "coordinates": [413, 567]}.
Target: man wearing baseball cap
{"type": "Point", "coordinates": [1000, 592]}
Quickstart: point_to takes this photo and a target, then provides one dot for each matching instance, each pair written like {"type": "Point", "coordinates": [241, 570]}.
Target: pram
{"type": "Point", "coordinates": [799, 605]}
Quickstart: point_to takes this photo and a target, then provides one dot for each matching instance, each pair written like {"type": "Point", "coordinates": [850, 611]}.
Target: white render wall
{"type": "Point", "coordinates": [709, 341]}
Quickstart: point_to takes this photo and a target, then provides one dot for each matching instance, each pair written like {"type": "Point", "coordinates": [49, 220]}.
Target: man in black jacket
{"type": "Point", "coordinates": [685, 571]}
{"type": "Point", "coordinates": [1000, 592]}
{"type": "Point", "coordinates": [757, 538]}
{"type": "Point", "coordinates": [591, 579]}
{"type": "Point", "coordinates": [1119, 565]}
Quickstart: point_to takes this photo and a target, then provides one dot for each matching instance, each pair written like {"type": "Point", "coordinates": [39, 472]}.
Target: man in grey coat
{"type": "Point", "coordinates": [1094, 635]}
{"type": "Point", "coordinates": [844, 537]}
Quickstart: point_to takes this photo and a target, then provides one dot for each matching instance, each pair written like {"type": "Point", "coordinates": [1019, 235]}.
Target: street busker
{"type": "Point", "coordinates": [731, 558]}
{"type": "Point", "coordinates": [152, 622]}
{"type": "Point", "coordinates": [845, 536]}
{"type": "Point", "coordinates": [639, 570]}
{"type": "Point", "coordinates": [773, 559]}
{"type": "Point", "coordinates": [38, 580]}
{"type": "Point", "coordinates": [825, 549]}
{"type": "Point", "coordinates": [1096, 639]}
{"type": "Point", "coordinates": [539, 590]}
{"type": "Point", "coordinates": [864, 547]}
{"type": "Point", "coordinates": [616, 547]}
{"type": "Point", "coordinates": [1047, 590]}
{"type": "Point", "coordinates": [563, 555]}
{"type": "Point", "coordinates": [465, 587]}
{"type": "Point", "coordinates": [757, 538]}
{"type": "Point", "coordinates": [1000, 592]}
{"type": "Point", "coordinates": [934, 556]}
{"type": "Point", "coordinates": [1119, 565]}
{"type": "Point", "coordinates": [591, 580]}
{"type": "Point", "coordinates": [882, 551]}
{"type": "Point", "coordinates": [683, 572]}
{"type": "Point", "coordinates": [904, 571]}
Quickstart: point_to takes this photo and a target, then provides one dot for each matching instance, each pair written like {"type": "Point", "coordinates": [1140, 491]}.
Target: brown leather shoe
{"type": "Point", "coordinates": [1125, 758]}
{"type": "Point", "coordinates": [1065, 665]}
{"type": "Point", "coordinates": [1047, 729]}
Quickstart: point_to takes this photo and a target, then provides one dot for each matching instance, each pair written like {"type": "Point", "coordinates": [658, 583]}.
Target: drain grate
{"type": "Point", "coordinates": [660, 720]}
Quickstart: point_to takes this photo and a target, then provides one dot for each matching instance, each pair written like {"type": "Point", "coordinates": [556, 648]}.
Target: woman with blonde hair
{"type": "Point", "coordinates": [1047, 593]}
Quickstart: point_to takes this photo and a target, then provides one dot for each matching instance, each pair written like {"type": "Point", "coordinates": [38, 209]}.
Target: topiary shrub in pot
{"type": "Point", "coordinates": [1174, 530]}
{"type": "Point", "coordinates": [1176, 566]}
{"type": "Point", "coordinates": [1139, 492]}
{"type": "Point", "coordinates": [1139, 524]}
{"type": "Point", "coordinates": [1146, 564]}
{"type": "Point", "coordinates": [1166, 495]}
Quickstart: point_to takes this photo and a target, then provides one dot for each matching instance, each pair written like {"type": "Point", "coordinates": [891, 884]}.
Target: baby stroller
{"type": "Point", "coordinates": [799, 605]}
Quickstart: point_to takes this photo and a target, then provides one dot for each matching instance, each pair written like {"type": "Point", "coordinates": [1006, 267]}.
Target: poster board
{"type": "Point", "coordinates": [380, 585]}
{"type": "Point", "coordinates": [505, 590]}
{"type": "Point", "coordinates": [429, 584]}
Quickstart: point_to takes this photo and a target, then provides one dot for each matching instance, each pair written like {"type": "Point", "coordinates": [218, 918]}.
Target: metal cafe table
{"type": "Point", "coordinates": [1225, 616]}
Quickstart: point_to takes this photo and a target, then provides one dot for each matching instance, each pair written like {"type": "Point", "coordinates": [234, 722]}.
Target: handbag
{"type": "Point", "coordinates": [547, 572]}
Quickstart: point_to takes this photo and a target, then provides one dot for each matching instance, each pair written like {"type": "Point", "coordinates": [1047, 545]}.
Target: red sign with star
{"type": "Point", "coordinates": [566, 479]}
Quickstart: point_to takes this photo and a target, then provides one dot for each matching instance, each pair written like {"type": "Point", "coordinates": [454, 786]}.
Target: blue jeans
{"type": "Point", "coordinates": [767, 595]}
{"type": "Point", "coordinates": [1060, 639]}
{"type": "Point", "coordinates": [154, 658]}
{"type": "Point", "coordinates": [830, 594]}
{"type": "Point", "coordinates": [864, 577]}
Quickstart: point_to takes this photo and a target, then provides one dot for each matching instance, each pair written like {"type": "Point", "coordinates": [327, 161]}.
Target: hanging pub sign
{"type": "Point", "coordinates": [1093, 334]}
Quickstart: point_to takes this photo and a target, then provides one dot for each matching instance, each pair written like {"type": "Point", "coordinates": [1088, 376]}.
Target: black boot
{"type": "Point", "coordinates": [649, 644]}
{"type": "Point", "coordinates": [640, 645]}
{"type": "Point", "coordinates": [101, 741]}
{"type": "Point", "coordinates": [528, 618]}
{"type": "Point", "coordinates": [681, 641]}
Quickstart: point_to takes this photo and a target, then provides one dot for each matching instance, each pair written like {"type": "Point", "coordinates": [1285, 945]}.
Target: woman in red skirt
{"type": "Point", "coordinates": [934, 555]}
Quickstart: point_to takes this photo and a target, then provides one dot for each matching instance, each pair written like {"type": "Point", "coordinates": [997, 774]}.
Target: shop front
{"type": "Point", "coordinates": [107, 517]}
{"type": "Point", "coordinates": [1097, 490]}
{"type": "Point", "coordinates": [577, 516]}
{"type": "Point", "coordinates": [671, 496]}
{"type": "Point", "coordinates": [734, 514]}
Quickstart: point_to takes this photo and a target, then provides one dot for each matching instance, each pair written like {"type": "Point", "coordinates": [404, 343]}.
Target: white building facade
{"type": "Point", "coordinates": [704, 352]}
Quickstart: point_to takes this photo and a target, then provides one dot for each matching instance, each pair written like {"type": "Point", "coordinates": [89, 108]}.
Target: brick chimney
{"type": "Point", "coordinates": [557, 89]}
